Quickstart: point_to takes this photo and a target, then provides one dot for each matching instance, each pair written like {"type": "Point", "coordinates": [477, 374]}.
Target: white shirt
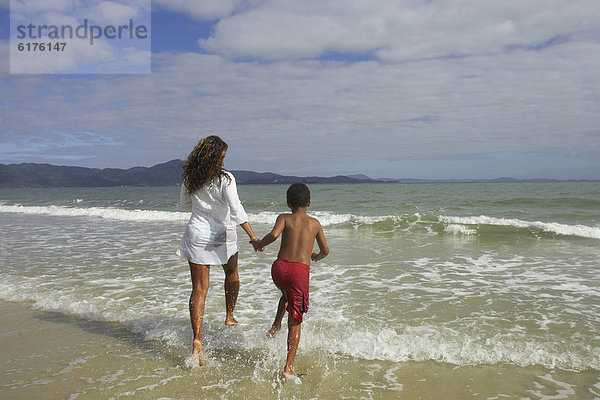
{"type": "Point", "coordinates": [210, 236]}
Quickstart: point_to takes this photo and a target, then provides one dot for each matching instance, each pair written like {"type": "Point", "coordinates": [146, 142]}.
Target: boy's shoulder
{"type": "Point", "coordinates": [313, 219]}
{"type": "Point", "coordinates": [307, 218]}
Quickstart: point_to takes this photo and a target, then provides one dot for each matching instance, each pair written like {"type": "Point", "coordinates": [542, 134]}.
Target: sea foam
{"type": "Point", "coordinates": [549, 227]}
{"type": "Point", "coordinates": [434, 343]}
{"type": "Point", "coordinates": [111, 213]}
{"type": "Point", "coordinates": [457, 225]}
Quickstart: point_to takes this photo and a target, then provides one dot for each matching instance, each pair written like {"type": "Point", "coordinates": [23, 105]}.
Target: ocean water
{"type": "Point", "coordinates": [474, 290]}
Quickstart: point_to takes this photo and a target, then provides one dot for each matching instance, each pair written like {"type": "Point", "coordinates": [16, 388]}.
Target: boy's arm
{"type": "Point", "coordinates": [322, 243]}
{"type": "Point", "coordinates": [274, 234]}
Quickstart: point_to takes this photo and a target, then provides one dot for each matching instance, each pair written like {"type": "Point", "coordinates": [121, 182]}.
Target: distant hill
{"type": "Point", "coordinates": [358, 176]}
{"type": "Point", "coordinates": [169, 173]}
{"type": "Point", "coordinates": [166, 174]}
{"type": "Point", "coordinates": [250, 178]}
{"type": "Point", "coordinates": [46, 175]}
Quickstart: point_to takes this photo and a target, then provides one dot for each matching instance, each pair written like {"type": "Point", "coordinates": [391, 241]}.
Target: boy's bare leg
{"type": "Point", "coordinates": [294, 327]}
{"type": "Point", "coordinates": [232, 288]}
{"type": "Point", "coordinates": [278, 317]}
{"type": "Point", "coordinates": [200, 279]}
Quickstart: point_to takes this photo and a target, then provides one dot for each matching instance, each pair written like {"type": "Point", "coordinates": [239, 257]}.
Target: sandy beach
{"type": "Point", "coordinates": [54, 356]}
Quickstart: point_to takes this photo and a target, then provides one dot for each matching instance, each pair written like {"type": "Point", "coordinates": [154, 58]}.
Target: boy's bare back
{"type": "Point", "coordinates": [299, 232]}
{"type": "Point", "coordinates": [298, 237]}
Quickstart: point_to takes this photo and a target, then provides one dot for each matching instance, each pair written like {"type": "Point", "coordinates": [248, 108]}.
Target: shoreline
{"type": "Point", "coordinates": [52, 355]}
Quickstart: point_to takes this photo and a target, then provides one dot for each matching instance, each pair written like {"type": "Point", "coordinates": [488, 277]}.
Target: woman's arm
{"type": "Point", "coordinates": [248, 229]}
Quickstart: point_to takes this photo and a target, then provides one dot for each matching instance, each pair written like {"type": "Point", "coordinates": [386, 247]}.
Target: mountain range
{"type": "Point", "coordinates": [165, 174]}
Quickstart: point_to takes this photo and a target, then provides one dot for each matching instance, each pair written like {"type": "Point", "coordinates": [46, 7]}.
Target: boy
{"type": "Point", "coordinates": [291, 269]}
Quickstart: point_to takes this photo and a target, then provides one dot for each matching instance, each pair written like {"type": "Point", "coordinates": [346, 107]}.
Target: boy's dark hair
{"type": "Point", "coordinates": [298, 195]}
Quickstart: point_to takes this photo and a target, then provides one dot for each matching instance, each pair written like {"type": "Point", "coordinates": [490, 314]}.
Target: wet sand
{"type": "Point", "coordinates": [53, 356]}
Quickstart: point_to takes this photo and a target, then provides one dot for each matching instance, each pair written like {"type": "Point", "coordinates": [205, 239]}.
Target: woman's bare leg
{"type": "Point", "coordinates": [200, 279]}
{"type": "Point", "coordinates": [232, 288]}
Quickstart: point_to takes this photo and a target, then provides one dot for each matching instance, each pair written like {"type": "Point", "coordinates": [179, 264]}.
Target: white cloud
{"type": "Point", "coordinates": [110, 12]}
{"type": "Point", "coordinates": [397, 31]}
{"type": "Point", "coordinates": [37, 6]}
{"type": "Point", "coordinates": [202, 9]}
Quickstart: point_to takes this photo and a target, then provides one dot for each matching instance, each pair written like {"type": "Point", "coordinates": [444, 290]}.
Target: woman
{"type": "Point", "coordinates": [210, 237]}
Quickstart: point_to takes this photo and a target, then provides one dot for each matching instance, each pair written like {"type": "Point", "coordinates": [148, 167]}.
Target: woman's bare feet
{"type": "Point", "coordinates": [198, 351]}
{"type": "Point", "coordinates": [230, 321]}
{"type": "Point", "coordinates": [274, 329]}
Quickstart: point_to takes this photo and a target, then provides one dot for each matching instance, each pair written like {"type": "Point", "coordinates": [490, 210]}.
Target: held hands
{"type": "Point", "coordinates": [315, 257]}
{"type": "Point", "coordinates": [256, 244]}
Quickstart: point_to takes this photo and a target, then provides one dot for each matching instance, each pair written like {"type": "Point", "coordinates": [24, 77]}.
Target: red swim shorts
{"type": "Point", "coordinates": [292, 279]}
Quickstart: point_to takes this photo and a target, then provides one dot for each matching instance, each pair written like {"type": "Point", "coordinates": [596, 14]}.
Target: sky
{"type": "Point", "coordinates": [430, 89]}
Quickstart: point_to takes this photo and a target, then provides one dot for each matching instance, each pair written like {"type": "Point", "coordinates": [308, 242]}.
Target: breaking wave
{"type": "Point", "coordinates": [455, 225]}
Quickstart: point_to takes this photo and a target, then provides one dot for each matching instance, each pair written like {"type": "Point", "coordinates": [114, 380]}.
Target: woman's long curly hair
{"type": "Point", "coordinates": [204, 163]}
